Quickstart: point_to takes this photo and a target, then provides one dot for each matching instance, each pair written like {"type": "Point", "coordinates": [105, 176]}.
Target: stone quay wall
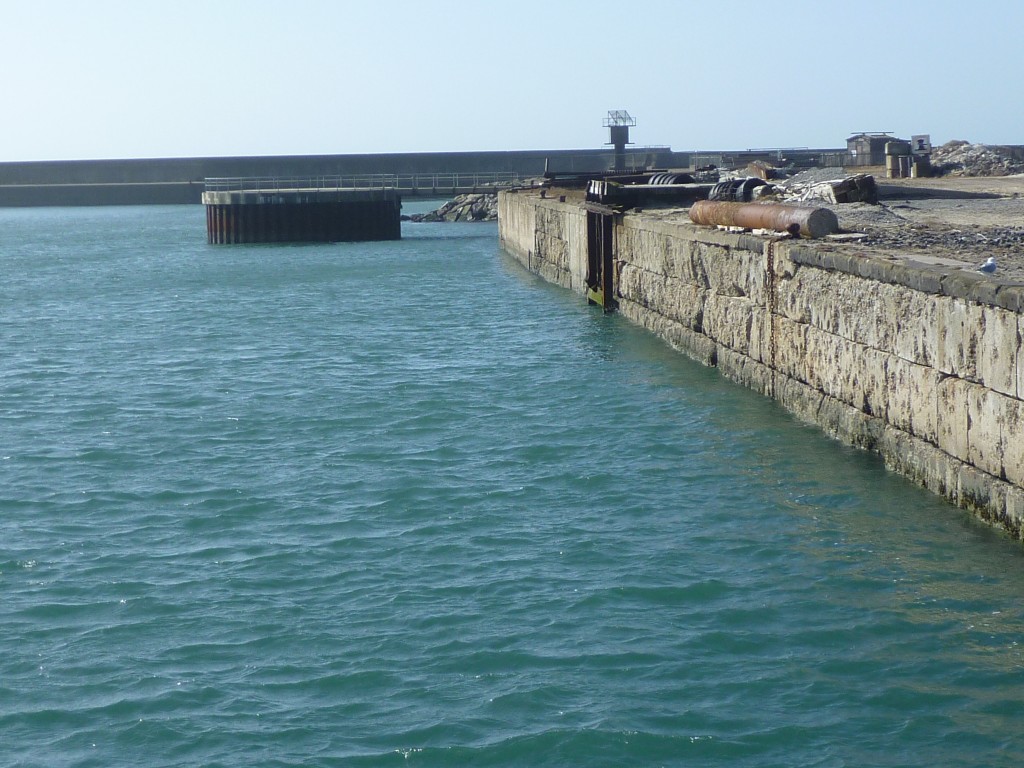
{"type": "Point", "coordinates": [923, 365]}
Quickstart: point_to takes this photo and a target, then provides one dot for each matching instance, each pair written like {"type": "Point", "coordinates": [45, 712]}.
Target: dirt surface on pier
{"type": "Point", "coordinates": [951, 221]}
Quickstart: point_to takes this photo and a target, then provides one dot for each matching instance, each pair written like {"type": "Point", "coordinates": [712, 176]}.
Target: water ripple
{"type": "Point", "coordinates": [402, 503]}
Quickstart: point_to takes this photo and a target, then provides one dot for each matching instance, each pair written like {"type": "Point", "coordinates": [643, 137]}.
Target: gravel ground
{"type": "Point", "coordinates": [958, 222]}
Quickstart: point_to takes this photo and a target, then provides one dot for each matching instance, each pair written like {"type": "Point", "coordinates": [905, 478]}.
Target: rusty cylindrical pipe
{"type": "Point", "coordinates": [812, 222]}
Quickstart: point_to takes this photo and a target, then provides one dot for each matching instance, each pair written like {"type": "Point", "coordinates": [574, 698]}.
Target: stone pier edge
{"type": "Point", "coordinates": [927, 278]}
{"type": "Point", "coordinates": [987, 479]}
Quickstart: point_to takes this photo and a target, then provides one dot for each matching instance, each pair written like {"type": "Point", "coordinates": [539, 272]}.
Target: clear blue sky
{"type": "Point", "coordinates": [135, 78]}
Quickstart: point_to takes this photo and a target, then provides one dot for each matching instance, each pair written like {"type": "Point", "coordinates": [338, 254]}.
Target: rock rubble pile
{"type": "Point", "coordinates": [479, 207]}
{"type": "Point", "coordinates": [961, 158]}
{"type": "Point", "coordinates": [828, 186]}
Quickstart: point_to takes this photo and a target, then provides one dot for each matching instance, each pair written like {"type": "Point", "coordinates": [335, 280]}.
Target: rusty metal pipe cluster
{"type": "Point", "coordinates": [795, 219]}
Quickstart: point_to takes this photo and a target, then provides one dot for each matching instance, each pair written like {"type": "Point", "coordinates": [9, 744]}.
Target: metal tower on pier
{"type": "Point", "coordinates": [618, 123]}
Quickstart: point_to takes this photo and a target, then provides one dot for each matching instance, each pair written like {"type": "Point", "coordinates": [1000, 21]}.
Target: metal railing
{"type": "Point", "coordinates": [398, 181]}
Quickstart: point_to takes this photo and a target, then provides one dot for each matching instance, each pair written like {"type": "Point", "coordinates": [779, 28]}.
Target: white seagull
{"type": "Point", "coordinates": [989, 266]}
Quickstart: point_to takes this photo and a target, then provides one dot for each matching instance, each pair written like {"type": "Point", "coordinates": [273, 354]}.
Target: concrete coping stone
{"type": "Point", "coordinates": [944, 281]}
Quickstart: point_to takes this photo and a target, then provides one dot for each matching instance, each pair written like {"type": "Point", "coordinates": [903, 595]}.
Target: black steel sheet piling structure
{"type": "Point", "coordinates": [311, 210]}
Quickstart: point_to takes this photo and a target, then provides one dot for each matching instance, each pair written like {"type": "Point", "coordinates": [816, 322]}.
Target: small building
{"type": "Point", "coordinates": [868, 148]}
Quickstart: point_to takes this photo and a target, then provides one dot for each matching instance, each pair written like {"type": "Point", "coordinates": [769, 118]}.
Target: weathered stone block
{"type": "Point", "coordinates": [1011, 297]}
{"type": "Point", "coordinates": [802, 401]}
{"type": "Point", "coordinates": [861, 316]}
{"type": "Point", "coordinates": [823, 361]}
{"type": "Point", "coordinates": [682, 302]}
{"type": "Point", "coordinates": [961, 285]}
{"type": "Point", "coordinates": [760, 334]}
{"type": "Point", "coordinates": [851, 372]}
{"type": "Point", "coordinates": [912, 400]}
{"type": "Point", "coordinates": [997, 349]}
{"type": "Point", "coordinates": [1015, 510]}
{"type": "Point", "coordinates": [868, 390]}
{"type": "Point", "coordinates": [685, 263]}
{"type": "Point", "coordinates": [887, 299]}
{"type": "Point", "coordinates": [926, 278]}
{"type": "Point", "coordinates": [921, 462]}
{"type": "Point", "coordinates": [734, 277]}
{"type": "Point", "coordinates": [825, 310]}
{"type": "Point", "coordinates": [714, 266]}
{"type": "Point", "coordinates": [745, 371]}
{"type": "Point", "coordinates": [646, 250]}
{"type": "Point", "coordinates": [874, 268]}
{"type": "Point", "coordinates": [751, 243]}
{"type": "Point", "coordinates": [831, 415]}
{"type": "Point", "coordinates": [552, 273]}
{"type": "Point", "coordinates": [958, 325]}
{"type": "Point", "coordinates": [952, 418]}
{"type": "Point", "coordinates": [790, 345]}
{"type": "Point", "coordinates": [916, 333]}
{"type": "Point", "coordinates": [755, 279]}
{"type": "Point", "coordinates": [897, 448]}
{"type": "Point", "coordinates": [727, 320]}
{"type": "Point", "coordinates": [550, 249]}
{"type": "Point", "coordinates": [814, 257]}
{"type": "Point", "coordinates": [987, 292]}
{"type": "Point", "coordinates": [843, 304]}
{"type": "Point", "coordinates": [1012, 440]}
{"type": "Point", "coordinates": [693, 344]}
{"type": "Point", "coordinates": [902, 273]}
{"type": "Point", "coordinates": [850, 424]}
{"type": "Point", "coordinates": [985, 418]}
{"type": "Point", "coordinates": [794, 297]}
{"type": "Point", "coordinates": [980, 493]}
{"type": "Point", "coordinates": [1019, 378]}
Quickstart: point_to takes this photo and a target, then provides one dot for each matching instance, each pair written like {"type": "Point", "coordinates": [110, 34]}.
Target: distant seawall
{"type": "Point", "coordinates": [180, 180]}
{"type": "Point", "coordinates": [922, 365]}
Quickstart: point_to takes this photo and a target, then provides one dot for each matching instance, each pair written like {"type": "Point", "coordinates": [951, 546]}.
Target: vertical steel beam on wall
{"type": "Point", "coordinates": [600, 278]}
{"type": "Point", "coordinates": [607, 261]}
{"type": "Point", "coordinates": [593, 278]}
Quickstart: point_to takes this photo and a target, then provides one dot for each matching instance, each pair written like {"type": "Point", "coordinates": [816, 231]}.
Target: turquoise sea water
{"type": "Point", "coordinates": [404, 504]}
